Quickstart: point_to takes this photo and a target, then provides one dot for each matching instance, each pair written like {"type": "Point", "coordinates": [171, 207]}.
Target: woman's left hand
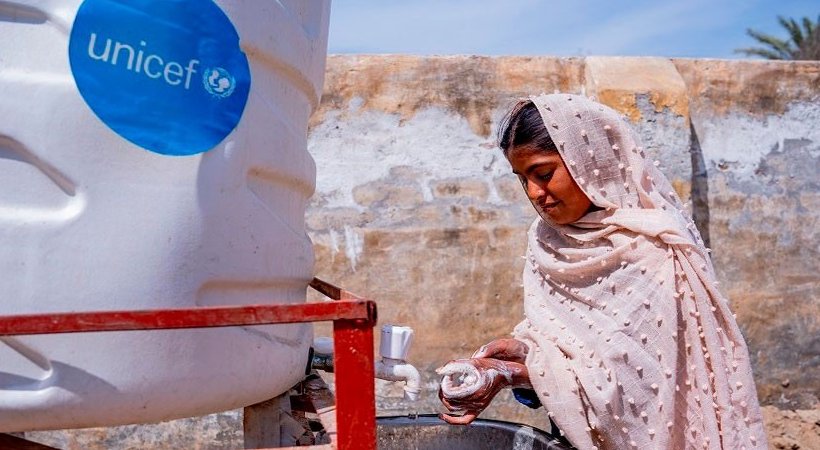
{"type": "Point", "coordinates": [507, 349]}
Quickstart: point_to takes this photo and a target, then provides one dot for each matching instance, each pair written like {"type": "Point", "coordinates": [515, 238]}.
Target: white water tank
{"type": "Point", "coordinates": [153, 154]}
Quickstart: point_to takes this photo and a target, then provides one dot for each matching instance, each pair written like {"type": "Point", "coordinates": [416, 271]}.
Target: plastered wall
{"type": "Point", "coordinates": [416, 208]}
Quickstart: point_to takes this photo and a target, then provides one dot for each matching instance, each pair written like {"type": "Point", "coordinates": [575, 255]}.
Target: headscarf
{"type": "Point", "coordinates": [631, 344]}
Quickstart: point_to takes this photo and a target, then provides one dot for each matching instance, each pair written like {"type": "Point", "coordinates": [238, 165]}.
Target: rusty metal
{"type": "Point", "coordinates": [333, 292]}
{"type": "Point", "coordinates": [353, 321]}
{"type": "Point", "coordinates": [203, 317]}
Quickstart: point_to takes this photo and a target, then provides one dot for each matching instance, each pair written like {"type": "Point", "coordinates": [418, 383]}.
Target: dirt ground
{"type": "Point", "coordinates": [786, 430]}
{"type": "Point", "coordinates": [792, 430]}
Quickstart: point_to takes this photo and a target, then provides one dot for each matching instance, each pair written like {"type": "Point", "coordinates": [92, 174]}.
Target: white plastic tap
{"type": "Point", "coordinates": [393, 348]}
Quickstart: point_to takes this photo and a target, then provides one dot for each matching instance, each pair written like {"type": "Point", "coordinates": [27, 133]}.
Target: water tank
{"type": "Point", "coordinates": [153, 154]}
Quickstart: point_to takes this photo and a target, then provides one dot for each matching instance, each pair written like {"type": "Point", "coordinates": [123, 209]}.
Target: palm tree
{"type": "Point", "coordinates": [803, 43]}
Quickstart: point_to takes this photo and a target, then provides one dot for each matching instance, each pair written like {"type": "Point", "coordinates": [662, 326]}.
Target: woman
{"type": "Point", "coordinates": [626, 341]}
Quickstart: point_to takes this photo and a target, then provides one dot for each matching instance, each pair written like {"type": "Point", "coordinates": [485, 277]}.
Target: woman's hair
{"type": "Point", "coordinates": [523, 125]}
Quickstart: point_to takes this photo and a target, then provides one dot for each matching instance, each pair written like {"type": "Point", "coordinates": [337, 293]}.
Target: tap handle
{"type": "Point", "coordinates": [395, 342]}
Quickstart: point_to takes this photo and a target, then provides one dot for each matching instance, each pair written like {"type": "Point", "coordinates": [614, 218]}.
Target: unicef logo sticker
{"type": "Point", "coordinates": [218, 82]}
{"type": "Point", "coordinates": [138, 66]}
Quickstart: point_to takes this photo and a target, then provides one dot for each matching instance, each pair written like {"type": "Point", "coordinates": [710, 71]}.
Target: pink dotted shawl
{"type": "Point", "coordinates": [631, 344]}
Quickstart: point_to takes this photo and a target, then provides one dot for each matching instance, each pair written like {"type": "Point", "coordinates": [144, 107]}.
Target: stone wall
{"type": "Point", "coordinates": [416, 208]}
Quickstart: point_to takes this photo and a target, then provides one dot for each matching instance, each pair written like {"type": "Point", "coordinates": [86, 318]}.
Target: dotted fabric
{"type": "Point", "coordinates": [631, 344]}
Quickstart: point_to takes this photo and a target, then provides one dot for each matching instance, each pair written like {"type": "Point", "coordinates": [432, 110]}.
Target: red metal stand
{"type": "Point", "coordinates": [353, 322]}
{"type": "Point", "coordinates": [354, 368]}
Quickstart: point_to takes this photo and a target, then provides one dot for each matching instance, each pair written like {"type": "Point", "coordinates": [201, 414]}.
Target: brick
{"type": "Point", "coordinates": [383, 193]}
{"type": "Point", "coordinates": [460, 188]}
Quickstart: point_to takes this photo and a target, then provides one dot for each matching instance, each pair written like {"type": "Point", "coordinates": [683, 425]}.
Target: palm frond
{"type": "Point", "coordinates": [768, 54]}
{"type": "Point", "coordinates": [793, 28]}
{"type": "Point", "coordinates": [803, 41]}
{"type": "Point", "coordinates": [809, 27]}
{"type": "Point", "coordinates": [810, 48]}
{"type": "Point", "coordinates": [779, 45]}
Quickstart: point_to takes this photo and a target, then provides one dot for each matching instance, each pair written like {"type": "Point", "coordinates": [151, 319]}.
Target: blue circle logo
{"type": "Point", "coordinates": [167, 75]}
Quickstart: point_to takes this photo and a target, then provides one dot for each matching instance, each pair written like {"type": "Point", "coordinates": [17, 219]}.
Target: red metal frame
{"type": "Point", "coordinates": [355, 370]}
{"type": "Point", "coordinates": [353, 322]}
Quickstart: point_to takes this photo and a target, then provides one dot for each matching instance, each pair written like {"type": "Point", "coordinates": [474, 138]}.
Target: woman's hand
{"type": "Point", "coordinates": [476, 383]}
{"type": "Point", "coordinates": [506, 349]}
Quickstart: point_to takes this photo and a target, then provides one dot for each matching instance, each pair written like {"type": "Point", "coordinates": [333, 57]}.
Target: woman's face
{"type": "Point", "coordinates": [548, 183]}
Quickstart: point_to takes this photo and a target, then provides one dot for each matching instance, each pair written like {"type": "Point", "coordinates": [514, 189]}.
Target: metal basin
{"type": "Point", "coordinates": [428, 432]}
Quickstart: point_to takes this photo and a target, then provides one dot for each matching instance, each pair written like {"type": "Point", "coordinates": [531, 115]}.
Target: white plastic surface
{"type": "Point", "coordinates": [89, 221]}
{"type": "Point", "coordinates": [323, 345]}
{"type": "Point", "coordinates": [395, 342]}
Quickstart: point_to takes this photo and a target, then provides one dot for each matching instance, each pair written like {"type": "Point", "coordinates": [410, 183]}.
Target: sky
{"type": "Point", "coordinates": [672, 28]}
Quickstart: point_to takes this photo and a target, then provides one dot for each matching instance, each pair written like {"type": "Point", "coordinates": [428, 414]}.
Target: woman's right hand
{"type": "Point", "coordinates": [506, 349]}
{"type": "Point", "coordinates": [493, 375]}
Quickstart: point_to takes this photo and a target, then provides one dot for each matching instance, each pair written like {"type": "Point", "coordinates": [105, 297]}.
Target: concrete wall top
{"type": "Point", "coordinates": [475, 86]}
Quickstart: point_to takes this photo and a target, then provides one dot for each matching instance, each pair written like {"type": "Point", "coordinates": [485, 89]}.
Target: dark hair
{"type": "Point", "coordinates": [523, 125]}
